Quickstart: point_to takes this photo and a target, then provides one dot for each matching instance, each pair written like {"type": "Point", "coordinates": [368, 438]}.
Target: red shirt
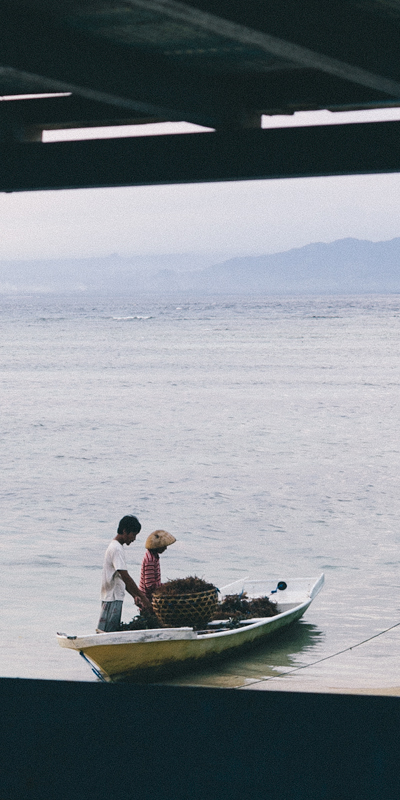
{"type": "Point", "coordinates": [150, 573]}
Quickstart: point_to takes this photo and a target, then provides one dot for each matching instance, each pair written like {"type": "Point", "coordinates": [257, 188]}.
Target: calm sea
{"type": "Point", "coordinates": [262, 433]}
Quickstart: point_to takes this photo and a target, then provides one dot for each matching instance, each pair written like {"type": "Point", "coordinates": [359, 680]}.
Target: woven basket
{"type": "Point", "coordinates": [193, 610]}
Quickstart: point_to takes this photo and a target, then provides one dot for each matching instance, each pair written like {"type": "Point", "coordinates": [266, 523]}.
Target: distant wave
{"type": "Point", "coordinates": [138, 316]}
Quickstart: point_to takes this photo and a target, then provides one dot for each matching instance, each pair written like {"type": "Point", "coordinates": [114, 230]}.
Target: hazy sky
{"type": "Point", "coordinates": [250, 217]}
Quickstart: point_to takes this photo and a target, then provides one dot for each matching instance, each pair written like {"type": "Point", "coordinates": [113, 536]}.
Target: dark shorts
{"type": "Point", "coordinates": [110, 616]}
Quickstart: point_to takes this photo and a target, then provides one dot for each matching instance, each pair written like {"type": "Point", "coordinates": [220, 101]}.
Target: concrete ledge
{"type": "Point", "coordinates": [88, 741]}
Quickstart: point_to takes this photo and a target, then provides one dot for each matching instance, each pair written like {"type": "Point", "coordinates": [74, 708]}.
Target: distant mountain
{"type": "Point", "coordinates": [113, 274]}
{"type": "Point", "coordinates": [346, 266]}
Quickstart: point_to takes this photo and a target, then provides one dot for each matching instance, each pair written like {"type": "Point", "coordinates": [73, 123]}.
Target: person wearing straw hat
{"type": "Point", "coordinates": [150, 572]}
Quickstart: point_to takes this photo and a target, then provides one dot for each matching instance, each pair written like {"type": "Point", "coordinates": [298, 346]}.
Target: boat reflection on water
{"type": "Point", "coordinates": [270, 659]}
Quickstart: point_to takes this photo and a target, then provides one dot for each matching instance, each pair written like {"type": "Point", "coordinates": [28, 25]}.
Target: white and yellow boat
{"type": "Point", "coordinates": [146, 654]}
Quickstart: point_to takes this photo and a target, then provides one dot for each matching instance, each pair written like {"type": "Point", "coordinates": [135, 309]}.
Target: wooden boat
{"type": "Point", "coordinates": [148, 654]}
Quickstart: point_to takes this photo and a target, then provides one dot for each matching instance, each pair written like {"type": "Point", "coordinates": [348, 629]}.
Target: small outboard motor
{"type": "Point", "coordinates": [281, 586]}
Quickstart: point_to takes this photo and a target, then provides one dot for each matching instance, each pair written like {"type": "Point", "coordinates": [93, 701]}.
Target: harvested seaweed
{"type": "Point", "coordinates": [142, 622]}
{"type": "Point", "coordinates": [190, 585]}
{"type": "Point", "coordinates": [237, 607]}
{"type": "Point", "coordinates": [233, 608]}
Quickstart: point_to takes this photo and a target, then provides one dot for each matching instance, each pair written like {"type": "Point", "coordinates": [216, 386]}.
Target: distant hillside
{"type": "Point", "coordinates": [113, 274]}
{"type": "Point", "coordinates": [346, 266]}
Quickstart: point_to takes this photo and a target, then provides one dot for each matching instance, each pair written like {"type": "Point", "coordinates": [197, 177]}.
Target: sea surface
{"type": "Point", "coordinates": [262, 432]}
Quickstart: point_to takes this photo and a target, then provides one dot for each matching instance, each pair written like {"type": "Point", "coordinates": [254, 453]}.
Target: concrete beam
{"type": "Point", "coordinates": [313, 34]}
{"type": "Point", "coordinates": [202, 157]}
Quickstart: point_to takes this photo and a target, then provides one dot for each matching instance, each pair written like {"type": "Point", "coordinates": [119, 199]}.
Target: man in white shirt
{"type": "Point", "coordinates": [116, 579]}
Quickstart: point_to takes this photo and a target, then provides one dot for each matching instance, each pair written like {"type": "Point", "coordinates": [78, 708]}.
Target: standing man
{"type": "Point", "coordinates": [116, 578]}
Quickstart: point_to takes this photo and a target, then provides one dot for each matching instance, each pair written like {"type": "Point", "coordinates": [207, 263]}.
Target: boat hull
{"type": "Point", "coordinates": [147, 655]}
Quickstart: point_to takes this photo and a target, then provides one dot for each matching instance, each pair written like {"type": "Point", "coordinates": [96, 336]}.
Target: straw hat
{"type": "Point", "coordinates": [159, 539]}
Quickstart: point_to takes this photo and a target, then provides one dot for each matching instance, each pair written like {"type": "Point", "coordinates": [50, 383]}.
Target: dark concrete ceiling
{"type": "Point", "coordinates": [217, 63]}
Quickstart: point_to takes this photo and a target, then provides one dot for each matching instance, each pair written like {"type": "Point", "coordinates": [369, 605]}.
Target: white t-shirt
{"type": "Point", "coordinates": [112, 585]}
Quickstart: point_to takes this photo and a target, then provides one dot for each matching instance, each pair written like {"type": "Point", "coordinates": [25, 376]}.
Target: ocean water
{"type": "Point", "coordinates": [262, 432]}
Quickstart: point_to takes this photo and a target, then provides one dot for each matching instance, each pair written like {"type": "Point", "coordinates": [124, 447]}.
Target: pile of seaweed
{"type": "Point", "coordinates": [236, 607]}
{"type": "Point", "coordinates": [144, 621]}
{"type": "Point", "coordinates": [190, 585]}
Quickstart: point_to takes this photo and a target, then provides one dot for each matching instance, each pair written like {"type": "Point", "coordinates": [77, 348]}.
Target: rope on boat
{"type": "Point", "coordinates": [92, 667]}
{"type": "Point", "coordinates": [326, 658]}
